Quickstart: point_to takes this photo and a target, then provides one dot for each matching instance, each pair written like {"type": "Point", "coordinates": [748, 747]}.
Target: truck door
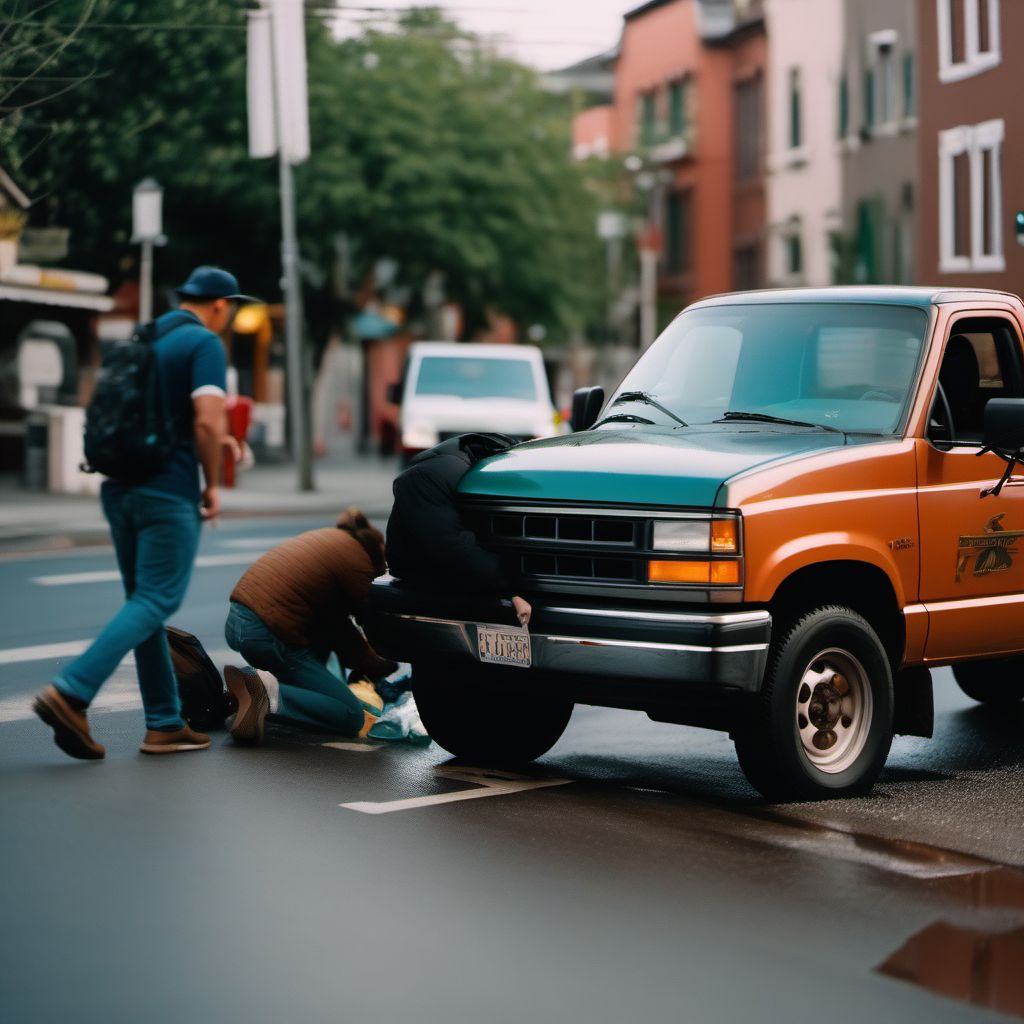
{"type": "Point", "coordinates": [972, 547]}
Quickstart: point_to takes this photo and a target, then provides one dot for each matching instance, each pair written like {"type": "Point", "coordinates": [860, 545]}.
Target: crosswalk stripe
{"type": "Point", "coordinates": [113, 576]}
{"type": "Point", "coordinates": [69, 649]}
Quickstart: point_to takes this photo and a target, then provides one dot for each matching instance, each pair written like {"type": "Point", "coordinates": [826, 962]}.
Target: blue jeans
{"type": "Point", "coordinates": [309, 693]}
{"type": "Point", "coordinates": [155, 539]}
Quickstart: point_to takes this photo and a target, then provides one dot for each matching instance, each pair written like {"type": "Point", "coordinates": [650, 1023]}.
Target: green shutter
{"type": "Point", "coordinates": [909, 92]}
{"type": "Point", "coordinates": [795, 127]}
{"type": "Point", "coordinates": [844, 107]}
{"type": "Point", "coordinates": [869, 99]}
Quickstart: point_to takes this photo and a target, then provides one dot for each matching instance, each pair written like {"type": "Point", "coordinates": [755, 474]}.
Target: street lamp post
{"type": "Point", "coordinates": [147, 230]}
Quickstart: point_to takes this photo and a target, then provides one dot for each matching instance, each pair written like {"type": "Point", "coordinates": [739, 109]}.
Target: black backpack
{"type": "Point", "coordinates": [204, 701]}
{"type": "Point", "coordinates": [129, 434]}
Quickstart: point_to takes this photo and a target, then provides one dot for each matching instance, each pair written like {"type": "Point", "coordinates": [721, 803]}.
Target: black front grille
{"type": "Point", "coordinates": [564, 544]}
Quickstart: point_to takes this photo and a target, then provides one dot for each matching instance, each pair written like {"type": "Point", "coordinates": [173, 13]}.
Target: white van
{"type": "Point", "coordinates": [454, 388]}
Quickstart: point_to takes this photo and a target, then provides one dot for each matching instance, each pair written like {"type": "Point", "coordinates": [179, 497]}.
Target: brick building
{"type": "Point", "coordinates": [688, 103]}
{"type": "Point", "coordinates": [971, 143]}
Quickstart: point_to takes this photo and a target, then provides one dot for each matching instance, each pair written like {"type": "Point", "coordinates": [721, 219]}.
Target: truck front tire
{"type": "Point", "coordinates": [822, 724]}
{"type": "Point", "coordinates": [998, 682]}
{"type": "Point", "coordinates": [466, 710]}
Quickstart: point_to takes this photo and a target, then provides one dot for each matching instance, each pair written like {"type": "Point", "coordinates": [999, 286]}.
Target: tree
{"type": "Point", "coordinates": [428, 149]}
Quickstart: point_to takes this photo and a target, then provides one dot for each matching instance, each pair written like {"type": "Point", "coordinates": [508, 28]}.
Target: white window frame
{"type": "Point", "coordinates": [975, 60]}
{"type": "Point", "coordinates": [975, 141]}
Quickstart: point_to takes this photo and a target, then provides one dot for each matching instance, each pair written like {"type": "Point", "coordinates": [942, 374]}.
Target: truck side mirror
{"type": "Point", "coordinates": [1004, 424]}
{"type": "Point", "coordinates": [394, 393]}
{"type": "Point", "coordinates": [586, 404]}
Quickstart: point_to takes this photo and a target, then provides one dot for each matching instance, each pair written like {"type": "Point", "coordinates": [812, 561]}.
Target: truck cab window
{"type": "Point", "coordinates": [982, 360]}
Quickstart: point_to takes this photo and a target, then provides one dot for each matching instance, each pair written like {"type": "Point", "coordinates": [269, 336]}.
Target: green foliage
{"type": "Point", "coordinates": [427, 148]}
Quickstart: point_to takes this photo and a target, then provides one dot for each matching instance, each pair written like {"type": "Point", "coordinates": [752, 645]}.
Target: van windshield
{"type": "Point", "coordinates": [476, 377]}
{"type": "Point", "coordinates": [832, 365]}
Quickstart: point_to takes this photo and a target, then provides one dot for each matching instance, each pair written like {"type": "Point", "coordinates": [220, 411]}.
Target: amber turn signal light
{"type": "Point", "coordinates": [718, 573]}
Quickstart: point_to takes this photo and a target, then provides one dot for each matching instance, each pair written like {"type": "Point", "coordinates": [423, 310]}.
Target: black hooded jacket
{"type": "Point", "coordinates": [427, 543]}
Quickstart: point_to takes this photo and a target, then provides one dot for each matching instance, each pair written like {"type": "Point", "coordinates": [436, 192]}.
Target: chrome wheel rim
{"type": "Point", "coordinates": [833, 710]}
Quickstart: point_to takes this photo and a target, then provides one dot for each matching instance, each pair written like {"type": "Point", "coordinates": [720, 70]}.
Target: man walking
{"type": "Point", "coordinates": [155, 524]}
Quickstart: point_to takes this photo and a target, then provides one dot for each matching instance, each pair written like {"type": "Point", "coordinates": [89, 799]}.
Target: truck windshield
{"type": "Point", "coordinates": [834, 365]}
{"type": "Point", "coordinates": [476, 377]}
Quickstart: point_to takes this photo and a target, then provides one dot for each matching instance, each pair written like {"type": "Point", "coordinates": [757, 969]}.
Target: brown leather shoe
{"type": "Point", "coordinates": [157, 742]}
{"type": "Point", "coordinates": [70, 729]}
{"type": "Point", "coordinates": [253, 701]}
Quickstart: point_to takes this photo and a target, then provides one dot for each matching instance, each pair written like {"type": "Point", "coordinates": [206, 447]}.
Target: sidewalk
{"type": "Point", "coordinates": [38, 521]}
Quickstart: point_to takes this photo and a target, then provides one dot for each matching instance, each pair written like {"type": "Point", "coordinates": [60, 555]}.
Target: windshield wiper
{"type": "Point", "coordinates": [733, 416]}
{"type": "Point", "coordinates": [643, 396]}
{"type": "Point", "coordinates": [624, 417]}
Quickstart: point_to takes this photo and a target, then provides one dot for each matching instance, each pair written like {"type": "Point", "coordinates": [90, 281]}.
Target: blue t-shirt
{"type": "Point", "coordinates": [192, 362]}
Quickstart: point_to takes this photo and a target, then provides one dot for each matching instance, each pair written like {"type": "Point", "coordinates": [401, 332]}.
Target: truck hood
{"type": "Point", "coordinates": [650, 467]}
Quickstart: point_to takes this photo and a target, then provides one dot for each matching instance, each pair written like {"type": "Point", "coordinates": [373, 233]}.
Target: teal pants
{"type": "Point", "coordinates": [310, 694]}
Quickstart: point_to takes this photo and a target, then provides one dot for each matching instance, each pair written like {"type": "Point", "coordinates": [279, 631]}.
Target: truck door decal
{"type": "Point", "coordinates": [992, 550]}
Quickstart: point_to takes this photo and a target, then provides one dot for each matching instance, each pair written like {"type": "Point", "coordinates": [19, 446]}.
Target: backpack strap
{"type": "Point", "coordinates": [148, 332]}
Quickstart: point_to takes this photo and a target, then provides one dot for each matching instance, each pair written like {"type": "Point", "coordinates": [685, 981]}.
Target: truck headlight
{"type": "Point", "coordinates": [718, 536]}
{"type": "Point", "coordinates": [682, 535]}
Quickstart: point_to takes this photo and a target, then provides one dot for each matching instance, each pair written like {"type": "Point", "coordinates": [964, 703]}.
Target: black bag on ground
{"type": "Point", "coordinates": [204, 703]}
{"type": "Point", "coordinates": [128, 432]}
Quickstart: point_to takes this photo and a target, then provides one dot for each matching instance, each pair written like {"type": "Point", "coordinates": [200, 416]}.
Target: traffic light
{"type": "Point", "coordinates": [1019, 220]}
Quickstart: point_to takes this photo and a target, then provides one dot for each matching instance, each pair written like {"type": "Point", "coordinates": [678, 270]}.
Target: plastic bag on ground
{"type": "Point", "coordinates": [400, 720]}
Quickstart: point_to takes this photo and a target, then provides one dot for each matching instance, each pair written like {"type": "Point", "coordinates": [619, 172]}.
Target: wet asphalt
{"type": "Point", "coordinates": [650, 883]}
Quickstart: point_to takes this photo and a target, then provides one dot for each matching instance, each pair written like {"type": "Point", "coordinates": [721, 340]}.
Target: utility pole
{"type": "Point", "coordinates": [279, 123]}
{"type": "Point", "coordinates": [298, 383]}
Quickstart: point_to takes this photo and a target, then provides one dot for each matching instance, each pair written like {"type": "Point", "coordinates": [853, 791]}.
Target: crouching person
{"type": "Point", "coordinates": [290, 610]}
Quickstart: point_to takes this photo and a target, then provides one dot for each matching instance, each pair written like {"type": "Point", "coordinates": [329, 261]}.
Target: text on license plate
{"type": "Point", "coordinates": [504, 646]}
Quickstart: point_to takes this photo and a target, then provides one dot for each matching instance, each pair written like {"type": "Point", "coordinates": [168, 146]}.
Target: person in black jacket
{"type": "Point", "coordinates": [427, 543]}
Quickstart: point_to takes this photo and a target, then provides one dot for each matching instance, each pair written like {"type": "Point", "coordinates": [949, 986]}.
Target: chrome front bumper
{"type": "Point", "coordinates": [727, 649]}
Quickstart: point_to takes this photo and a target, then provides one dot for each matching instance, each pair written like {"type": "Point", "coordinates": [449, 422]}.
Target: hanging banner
{"type": "Point", "coordinates": [260, 86]}
{"type": "Point", "coordinates": [276, 81]}
{"type": "Point", "coordinates": [290, 79]}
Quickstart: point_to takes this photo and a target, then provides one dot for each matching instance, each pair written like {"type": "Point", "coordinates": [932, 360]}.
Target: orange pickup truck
{"type": "Point", "coordinates": [793, 506]}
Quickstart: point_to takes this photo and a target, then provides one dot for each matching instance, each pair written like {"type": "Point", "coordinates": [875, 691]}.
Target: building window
{"type": "Point", "coordinates": [796, 134]}
{"type": "Point", "coordinates": [886, 85]}
{"type": "Point", "coordinates": [748, 98]}
{"type": "Point", "coordinates": [679, 108]}
{"type": "Point", "coordinates": [843, 120]}
{"type": "Point", "coordinates": [678, 224]}
{"type": "Point", "coordinates": [794, 252]}
{"type": "Point", "coordinates": [746, 268]}
{"type": "Point", "coordinates": [970, 198]}
{"type": "Point", "coordinates": [648, 118]}
{"type": "Point", "coordinates": [968, 37]}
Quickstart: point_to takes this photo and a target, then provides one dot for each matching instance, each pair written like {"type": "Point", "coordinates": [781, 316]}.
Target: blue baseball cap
{"type": "Point", "coordinates": [212, 283]}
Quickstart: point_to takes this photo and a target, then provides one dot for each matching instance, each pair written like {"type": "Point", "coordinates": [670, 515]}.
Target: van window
{"type": "Point", "coordinates": [476, 377]}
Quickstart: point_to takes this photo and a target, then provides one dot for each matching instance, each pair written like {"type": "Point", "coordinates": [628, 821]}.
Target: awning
{"type": "Point", "coordinates": [54, 297]}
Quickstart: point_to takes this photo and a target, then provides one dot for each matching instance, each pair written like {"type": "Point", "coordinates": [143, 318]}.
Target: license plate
{"type": "Point", "coordinates": [504, 645]}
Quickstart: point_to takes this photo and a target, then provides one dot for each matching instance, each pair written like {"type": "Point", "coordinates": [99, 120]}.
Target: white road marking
{"type": "Point", "coordinates": [359, 748]}
{"type": "Point", "coordinates": [121, 693]}
{"type": "Point", "coordinates": [113, 576]}
{"type": "Point", "coordinates": [70, 649]}
{"type": "Point", "coordinates": [488, 783]}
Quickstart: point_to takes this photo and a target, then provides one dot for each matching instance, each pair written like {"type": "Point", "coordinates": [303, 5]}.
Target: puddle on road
{"type": "Point", "coordinates": [980, 966]}
{"type": "Point", "coordinates": [975, 966]}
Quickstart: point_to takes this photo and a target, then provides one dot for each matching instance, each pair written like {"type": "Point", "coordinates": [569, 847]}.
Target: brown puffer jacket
{"type": "Point", "coordinates": [306, 588]}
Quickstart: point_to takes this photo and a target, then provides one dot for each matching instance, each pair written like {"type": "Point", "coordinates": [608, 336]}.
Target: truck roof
{"type": "Point", "coordinates": [891, 295]}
